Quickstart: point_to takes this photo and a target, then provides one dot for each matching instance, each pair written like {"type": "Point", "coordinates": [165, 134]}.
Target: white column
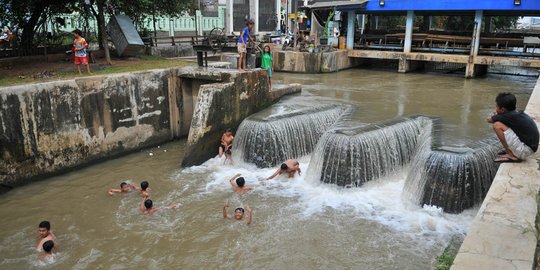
{"type": "Point", "coordinates": [229, 17]}
{"type": "Point", "coordinates": [477, 30]}
{"type": "Point", "coordinates": [278, 14]}
{"type": "Point", "coordinates": [254, 14]}
{"type": "Point", "coordinates": [363, 26]}
{"type": "Point", "coordinates": [408, 32]}
{"type": "Point", "coordinates": [350, 29]}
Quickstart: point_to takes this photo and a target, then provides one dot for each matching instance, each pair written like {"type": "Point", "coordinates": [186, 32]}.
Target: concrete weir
{"type": "Point", "coordinates": [48, 128]}
{"type": "Point", "coordinates": [503, 233]}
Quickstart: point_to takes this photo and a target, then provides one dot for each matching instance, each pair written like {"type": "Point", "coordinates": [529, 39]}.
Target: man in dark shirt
{"type": "Point", "coordinates": [516, 130]}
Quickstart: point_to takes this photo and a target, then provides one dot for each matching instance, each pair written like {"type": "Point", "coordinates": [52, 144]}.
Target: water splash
{"type": "Point", "coordinates": [266, 140]}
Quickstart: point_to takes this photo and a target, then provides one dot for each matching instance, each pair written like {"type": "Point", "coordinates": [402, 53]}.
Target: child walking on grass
{"type": "Point", "coordinates": [79, 51]}
{"type": "Point", "coordinates": [267, 63]}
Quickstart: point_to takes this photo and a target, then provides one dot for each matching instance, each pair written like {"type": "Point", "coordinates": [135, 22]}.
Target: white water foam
{"type": "Point", "coordinates": [379, 201]}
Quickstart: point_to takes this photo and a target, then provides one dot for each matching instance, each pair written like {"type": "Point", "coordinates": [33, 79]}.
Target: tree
{"type": "Point", "coordinates": [31, 14]}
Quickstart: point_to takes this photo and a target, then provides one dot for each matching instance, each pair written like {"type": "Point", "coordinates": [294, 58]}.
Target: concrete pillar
{"type": "Point", "coordinates": [229, 26]}
{"type": "Point", "coordinates": [278, 14]}
{"type": "Point", "coordinates": [376, 22]}
{"type": "Point", "coordinates": [254, 14]}
{"type": "Point", "coordinates": [475, 44]}
{"type": "Point", "coordinates": [350, 29]}
{"type": "Point", "coordinates": [363, 25]}
{"type": "Point", "coordinates": [408, 32]}
{"type": "Point", "coordinates": [487, 24]}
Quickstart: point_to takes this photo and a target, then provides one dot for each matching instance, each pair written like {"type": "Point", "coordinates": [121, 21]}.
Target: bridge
{"type": "Point", "coordinates": [413, 50]}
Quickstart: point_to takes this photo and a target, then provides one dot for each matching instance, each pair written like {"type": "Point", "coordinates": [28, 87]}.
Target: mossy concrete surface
{"type": "Point", "coordinates": [51, 127]}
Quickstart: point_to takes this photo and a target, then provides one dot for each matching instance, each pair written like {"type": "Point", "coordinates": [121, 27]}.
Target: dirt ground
{"type": "Point", "coordinates": [37, 69]}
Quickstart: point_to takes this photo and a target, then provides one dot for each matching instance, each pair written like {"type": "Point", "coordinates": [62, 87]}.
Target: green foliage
{"type": "Point", "coordinates": [326, 23]}
{"type": "Point", "coordinates": [445, 260]}
{"type": "Point", "coordinates": [498, 23]}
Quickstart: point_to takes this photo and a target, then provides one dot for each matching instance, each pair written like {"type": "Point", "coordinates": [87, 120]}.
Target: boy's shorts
{"type": "Point", "coordinates": [241, 48]}
{"type": "Point", "coordinates": [81, 60]}
{"type": "Point", "coordinates": [519, 149]}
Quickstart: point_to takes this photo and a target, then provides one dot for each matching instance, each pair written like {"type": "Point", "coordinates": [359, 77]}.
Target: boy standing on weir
{"type": "Point", "coordinates": [225, 144]}
{"type": "Point", "coordinates": [517, 132]}
{"type": "Point", "coordinates": [245, 35]}
{"type": "Point", "coordinates": [290, 166]}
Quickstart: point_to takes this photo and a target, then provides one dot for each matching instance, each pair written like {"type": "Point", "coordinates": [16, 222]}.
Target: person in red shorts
{"type": "Point", "coordinates": [79, 51]}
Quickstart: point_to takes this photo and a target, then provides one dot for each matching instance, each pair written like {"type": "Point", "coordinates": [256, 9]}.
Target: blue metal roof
{"type": "Point", "coordinates": [453, 5]}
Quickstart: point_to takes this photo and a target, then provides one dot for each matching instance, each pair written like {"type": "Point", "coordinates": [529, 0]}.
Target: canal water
{"type": "Point", "coordinates": [297, 224]}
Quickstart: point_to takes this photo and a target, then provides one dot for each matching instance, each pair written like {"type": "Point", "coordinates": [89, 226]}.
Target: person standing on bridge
{"type": "Point", "coordinates": [245, 35]}
{"type": "Point", "coordinates": [517, 132]}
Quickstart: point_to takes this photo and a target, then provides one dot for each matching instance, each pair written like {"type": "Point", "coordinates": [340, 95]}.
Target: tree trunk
{"type": "Point", "coordinates": [29, 28]}
{"type": "Point", "coordinates": [104, 39]}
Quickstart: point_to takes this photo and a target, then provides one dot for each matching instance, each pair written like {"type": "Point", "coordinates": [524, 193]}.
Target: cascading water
{"type": "Point", "coordinates": [266, 140]}
{"type": "Point", "coordinates": [352, 156]}
{"type": "Point", "coordinates": [450, 179]}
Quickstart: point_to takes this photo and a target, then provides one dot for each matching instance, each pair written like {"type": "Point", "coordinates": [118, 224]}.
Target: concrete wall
{"type": "Point", "coordinates": [305, 62]}
{"type": "Point", "coordinates": [48, 128]}
{"type": "Point", "coordinates": [503, 233]}
{"type": "Point", "coordinates": [222, 106]}
{"type": "Point", "coordinates": [178, 50]}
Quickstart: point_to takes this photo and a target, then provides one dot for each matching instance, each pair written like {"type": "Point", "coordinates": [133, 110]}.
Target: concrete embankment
{"type": "Point", "coordinates": [503, 233]}
{"type": "Point", "coordinates": [51, 127]}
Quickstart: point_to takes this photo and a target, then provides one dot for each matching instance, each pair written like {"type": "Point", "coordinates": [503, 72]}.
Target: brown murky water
{"type": "Point", "coordinates": [297, 224]}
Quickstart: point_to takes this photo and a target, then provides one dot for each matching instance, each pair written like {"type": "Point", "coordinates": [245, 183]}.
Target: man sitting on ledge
{"type": "Point", "coordinates": [516, 130]}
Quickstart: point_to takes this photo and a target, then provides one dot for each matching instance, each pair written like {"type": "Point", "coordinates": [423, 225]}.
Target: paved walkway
{"type": "Point", "coordinates": [503, 234]}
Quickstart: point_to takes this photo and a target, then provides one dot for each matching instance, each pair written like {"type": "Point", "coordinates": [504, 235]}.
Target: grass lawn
{"type": "Point", "coordinates": [61, 70]}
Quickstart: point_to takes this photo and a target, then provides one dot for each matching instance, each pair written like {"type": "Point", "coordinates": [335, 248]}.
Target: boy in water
{"type": "Point", "coordinates": [238, 213]}
{"type": "Point", "coordinates": [48, 248]}
{"type": "Point", "coordinates": [226, 143]}
{"type": "Point", "coordinates": [517, 132]}
{"type": "Point", "coordinates": [238, 184]}
{"type": "Point", "coordinates": [147, 207]}
{"type": "Point", "coordinates": [290, 166]}
{"type": "Point", "coordinates": [124, 188]}
{"type": "Point", "coordinates": [44, 229]}
{"type": "Point", "coordinates": [79, 51]}
{"type": "Point", "coordinates": [144, 189]}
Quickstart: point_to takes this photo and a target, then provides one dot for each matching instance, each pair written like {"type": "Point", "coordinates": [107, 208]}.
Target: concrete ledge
{"type": "Point", "coordinates": [503, 233]}
{"type": "Point", "coordinates": [305, 62]}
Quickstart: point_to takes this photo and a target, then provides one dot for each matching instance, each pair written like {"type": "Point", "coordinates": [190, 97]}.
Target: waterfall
{"type": "Point", "coordinates": [267, 140]}
{"type": "Point", "coordinates": [350, 157]}
{"type": "Point", "coordinates": [450, 179]}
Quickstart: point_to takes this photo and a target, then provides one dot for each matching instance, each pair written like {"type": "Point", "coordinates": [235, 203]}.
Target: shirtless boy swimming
{"type": "Point", "coordinates": [124, 188]}
{"type": "Point", "coordinates": [45, 233]}
{"type": "Point", "coordinates": [238, 213]}
{"type": "Point", "coordinates": [147, 207]}
{"type": "Point", "coordinates": [238, 184]}
{"type": "Point", "coordinates": [290, 166]}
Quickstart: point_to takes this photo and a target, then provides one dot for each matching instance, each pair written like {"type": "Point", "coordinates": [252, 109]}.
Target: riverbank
{"type": "Point", "coordinates": [503, 234]}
